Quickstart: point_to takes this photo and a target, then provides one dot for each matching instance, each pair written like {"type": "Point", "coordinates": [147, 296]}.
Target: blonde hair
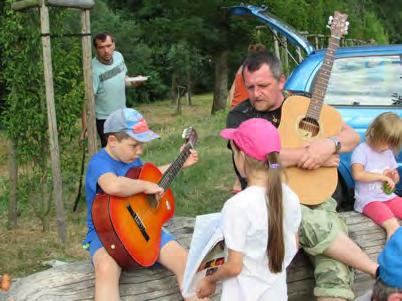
{"type": "Point", "coordinates": [274, 202]}
{"type": "Point", "coordinates": [386, 129]}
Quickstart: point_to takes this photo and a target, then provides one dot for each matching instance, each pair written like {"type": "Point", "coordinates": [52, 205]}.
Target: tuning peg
{"type": "Point", "coordinates": [347, 23]}
{"type": "Point", "coordinates": [330, 19]}
{"type": "Point", "coordinates": [328, 26]}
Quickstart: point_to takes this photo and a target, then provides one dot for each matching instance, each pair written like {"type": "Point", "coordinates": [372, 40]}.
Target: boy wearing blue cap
{"type": "Point", "coordinates": [388, 284]}
{"type": "Point", "coordinates": [126, 131]}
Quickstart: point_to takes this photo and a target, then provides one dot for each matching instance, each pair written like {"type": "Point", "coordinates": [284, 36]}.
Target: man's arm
{"type": "Point", "coordinates": [321, 152]}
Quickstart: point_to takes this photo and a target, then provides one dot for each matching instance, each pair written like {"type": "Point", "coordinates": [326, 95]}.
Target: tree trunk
{"type": "Point", "coordinates": [13, 172]}
{"type": "Point", "coordinates": [189, 87]}
{"type": "Point", "coordinates": [173, 88]}
{"type": "Point", "coordinates": [221, 81]}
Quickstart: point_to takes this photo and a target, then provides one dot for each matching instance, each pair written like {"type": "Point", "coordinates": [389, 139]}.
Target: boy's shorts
{"type": "Point", "coordinates": [319, 227]}
{"type": "Point", "coordinates": [95, 244]}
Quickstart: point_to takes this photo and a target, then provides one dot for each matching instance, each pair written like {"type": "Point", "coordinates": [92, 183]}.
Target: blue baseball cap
{"type": "Point", "coordinates": [390, 261]}
{"type": "Point", "coordinates": [131, 122]}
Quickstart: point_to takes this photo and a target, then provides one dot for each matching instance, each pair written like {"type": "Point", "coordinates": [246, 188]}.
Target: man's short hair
{"type": "Point", "coordinates": [258, 56]}
{"type": "Point", "coordinates": [102, 36]}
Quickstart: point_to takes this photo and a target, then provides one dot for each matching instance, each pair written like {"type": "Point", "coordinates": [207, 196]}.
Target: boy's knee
{"type": "Point", "coordinates": [104, 264]}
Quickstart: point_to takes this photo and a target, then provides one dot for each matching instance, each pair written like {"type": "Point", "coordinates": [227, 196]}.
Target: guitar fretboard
{"type": "Point", "coordinates": [321, 85]}
{"type": "Point", "coordinates": [174, 168]}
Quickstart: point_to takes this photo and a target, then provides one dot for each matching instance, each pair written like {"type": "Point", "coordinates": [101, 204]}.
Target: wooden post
{"type": "Point", "coordinates": [89, 92]}
{"type": "Point", "coordinates": [52, 123]}
{"type": "Point", "coordinates": [285, 56]}
{"type": "Point", "coordinates": [276, 44]}
{"type": "Point", "coordinates": [299, 55]}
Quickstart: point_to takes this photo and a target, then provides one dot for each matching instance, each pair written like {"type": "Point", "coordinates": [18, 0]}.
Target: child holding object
{"type": "Point", "coordinates": [260, 223]}
{"type": "Point", "coordinates": [374, 169]}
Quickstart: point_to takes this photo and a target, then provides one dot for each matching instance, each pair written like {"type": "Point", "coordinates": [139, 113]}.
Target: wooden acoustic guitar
{"type": "Point", "coordinates": [304, 120]}
{"type": "Point", "coordinates": [130, 227]}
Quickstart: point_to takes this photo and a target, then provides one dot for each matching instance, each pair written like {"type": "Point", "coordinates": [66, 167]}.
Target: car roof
{"type": "Point", "coordinates": [302, 76]}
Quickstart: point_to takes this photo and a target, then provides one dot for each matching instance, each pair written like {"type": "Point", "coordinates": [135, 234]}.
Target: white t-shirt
{"type": "Point", "coordinates": [245, 228]}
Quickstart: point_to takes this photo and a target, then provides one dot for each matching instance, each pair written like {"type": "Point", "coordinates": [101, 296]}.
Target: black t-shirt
{"type": "Point", "coordinates": [245, 111]}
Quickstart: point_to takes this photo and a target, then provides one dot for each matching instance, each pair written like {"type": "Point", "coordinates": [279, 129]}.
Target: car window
{"type": "Point", "coordinates": [370, 80]}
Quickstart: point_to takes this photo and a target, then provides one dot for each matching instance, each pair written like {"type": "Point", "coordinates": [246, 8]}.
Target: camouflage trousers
{"type": "Point", "coordinates": [319, 226]}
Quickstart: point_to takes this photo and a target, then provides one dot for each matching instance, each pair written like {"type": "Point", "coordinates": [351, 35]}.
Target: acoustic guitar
{"type": "Point", "coordinates": [305, 120]}
{"type": "Point", "coordinates": [130, 227]}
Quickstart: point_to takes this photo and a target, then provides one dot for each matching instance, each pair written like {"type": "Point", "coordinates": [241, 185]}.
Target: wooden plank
{"type": "Point", "coordinates": [80, 4]}
{"type": "Point", "coordinates": [89, 93]}
{"type": "Point", "coordinates": [25, 4]}
{"type": "Point", "coordinates": [52, 124]}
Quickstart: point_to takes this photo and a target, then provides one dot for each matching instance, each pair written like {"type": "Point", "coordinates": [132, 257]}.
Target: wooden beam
{"type": "Point", "coordinates": [52, 124]}
{"type": "Point", "coordinates": [81, 4]}
{"type": "Point", "coordinates": [25, 4]}
{"type": "Point", "coordinates": [89, 92]}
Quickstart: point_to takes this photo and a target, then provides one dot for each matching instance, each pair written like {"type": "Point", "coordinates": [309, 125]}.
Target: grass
{"type": "Point", "coordinates": [200, 189]}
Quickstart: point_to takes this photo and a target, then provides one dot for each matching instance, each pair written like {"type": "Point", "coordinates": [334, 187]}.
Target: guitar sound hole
{"type": "Point", "coordinates": [153, 202]}
{"type": "Point", "coordinates": [309, 127]}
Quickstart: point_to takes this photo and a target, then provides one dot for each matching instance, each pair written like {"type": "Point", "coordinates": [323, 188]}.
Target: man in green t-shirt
{"type": "Point", "coordinates": [109, 79]}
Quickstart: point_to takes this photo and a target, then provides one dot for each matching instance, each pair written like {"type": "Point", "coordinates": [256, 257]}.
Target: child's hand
{"type": "Point", "coordinates": [205, 288]}
{"type": "Point", "coordinates": [391, 173]}
{"type": "Point", "coordinates": [192, 159]}
{"type": "Point", "coordinates": [152, 188]}
{"type": "Point", "coordinates": [390, 182]}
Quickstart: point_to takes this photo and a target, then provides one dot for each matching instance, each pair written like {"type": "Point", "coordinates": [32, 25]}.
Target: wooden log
{"type": "Point", "coordinates": [80, 4]}
{"type": "Point", "coordinates": [75, 281]}
{"type": "Point", "coordinates": [25, 4]}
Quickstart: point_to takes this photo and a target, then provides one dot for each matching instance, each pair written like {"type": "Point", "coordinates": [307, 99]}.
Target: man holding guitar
{"type": "Point", "coordinates": [323, 234]}
{"type": "Point", "coordinates": [106, 177]}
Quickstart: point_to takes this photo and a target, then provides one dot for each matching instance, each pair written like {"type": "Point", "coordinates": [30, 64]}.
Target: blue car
{"type": "Point", "coordinates": [365, 81]}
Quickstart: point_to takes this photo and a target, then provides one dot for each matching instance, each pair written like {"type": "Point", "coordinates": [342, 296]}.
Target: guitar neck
{"type": "Point", "coordinates": [175, 167]}
{"type": "Point", "coordinates": [321, 85]}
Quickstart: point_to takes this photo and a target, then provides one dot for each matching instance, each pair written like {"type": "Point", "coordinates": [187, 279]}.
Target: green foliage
{"type": "Point", "coordinates": [25, 119]}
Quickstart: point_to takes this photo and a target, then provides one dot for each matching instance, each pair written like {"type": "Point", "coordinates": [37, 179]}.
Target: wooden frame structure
{"type": "Point", "coordinates": [84, 6]}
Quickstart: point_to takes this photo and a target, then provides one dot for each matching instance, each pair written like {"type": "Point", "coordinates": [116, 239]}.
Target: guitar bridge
{"type": "Point", "coordinates": [138, 222]}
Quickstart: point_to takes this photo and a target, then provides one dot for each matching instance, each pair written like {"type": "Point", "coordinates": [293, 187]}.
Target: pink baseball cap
{"type": "Point", "coordinates": [256, 137]}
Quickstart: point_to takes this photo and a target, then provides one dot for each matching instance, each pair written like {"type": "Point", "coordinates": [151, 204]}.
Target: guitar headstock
{"type": "Point", "coordinates": [338, 24]}
{"type": "Point", "coordinates": [190, 136]}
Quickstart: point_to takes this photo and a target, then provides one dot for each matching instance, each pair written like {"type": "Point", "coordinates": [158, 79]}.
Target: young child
{"type": "Point", "coordinates": [374, 168]}
{"type": "Point", "coordinates": [126, 132]}
{"type": "Point", "coordinates": [260, 224]}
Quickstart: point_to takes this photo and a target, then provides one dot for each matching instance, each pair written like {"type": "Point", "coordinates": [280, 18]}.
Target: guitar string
{"type": "Point", "coordinates": [165, 179]}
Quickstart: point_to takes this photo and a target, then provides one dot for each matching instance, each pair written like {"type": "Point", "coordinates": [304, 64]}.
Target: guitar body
{"type": "Point", "coordinates": [130, 227]}
{"type": "Point", "coordinates": [312, 186]}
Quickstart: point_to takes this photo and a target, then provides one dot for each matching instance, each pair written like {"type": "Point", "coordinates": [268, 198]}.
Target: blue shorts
{"type": "Point", "coordinates": [95, 244]}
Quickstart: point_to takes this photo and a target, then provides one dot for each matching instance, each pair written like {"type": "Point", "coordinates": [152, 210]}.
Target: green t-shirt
{"type": "Point", "coordinates": [109, 85]}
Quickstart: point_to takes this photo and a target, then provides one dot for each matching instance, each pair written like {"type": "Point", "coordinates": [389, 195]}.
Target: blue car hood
{"type": "Point", "coordinates": [274, 23]}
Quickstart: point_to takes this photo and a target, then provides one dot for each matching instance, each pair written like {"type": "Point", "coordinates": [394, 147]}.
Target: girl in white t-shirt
{"type": "Point", "coordinates": [374, 169]}
{"type": "Point", "coordinates": [260, 224]}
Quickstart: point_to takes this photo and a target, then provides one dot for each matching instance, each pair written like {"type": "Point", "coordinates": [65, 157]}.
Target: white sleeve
{"type": "Point", "coordinates": [234, 225]}
{"type": "Point", "coordinates": [293, 209]}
